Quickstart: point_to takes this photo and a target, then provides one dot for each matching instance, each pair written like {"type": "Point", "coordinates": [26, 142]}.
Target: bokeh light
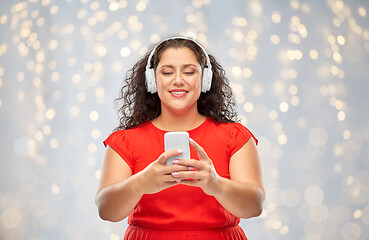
{"type": "Point", "coordinates": [298, 70]}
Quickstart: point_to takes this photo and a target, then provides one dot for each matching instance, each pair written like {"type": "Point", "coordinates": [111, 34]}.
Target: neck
{"type": "Point", "coordinates": [170, 121]}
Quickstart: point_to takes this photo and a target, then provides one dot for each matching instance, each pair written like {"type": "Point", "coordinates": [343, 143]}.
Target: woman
{"type": "Point", "coordinates": [179, 87]}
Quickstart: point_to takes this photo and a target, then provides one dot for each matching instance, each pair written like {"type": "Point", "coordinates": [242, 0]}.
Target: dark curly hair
{"type": "Point", "coordinates": [140, 106]}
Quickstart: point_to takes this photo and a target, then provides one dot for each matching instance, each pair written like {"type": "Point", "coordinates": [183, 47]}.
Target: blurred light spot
{"type": "Point", "coordinates": [273, 115]}
{"type": "Point", "coordinates": [94, 115]}
{"type": "Point", "coordinates": [92, 148]}
{"type": "Point", "coordinates": [350, 231]}
{"type": "Point", "coordinates": [365, 215]}
{"type": "Point", "coordinates": [338, 150]}
{"type": "Point", "coordinates": [257, 89]}
{"type": "Point", "coordinates": [294, 4]}
{"type": "Point", "coordinates": [277, 225]}
{"type": "Point", "coordinates": [3, 49]}
{"type": "Point", "coordinates": [246, 72]}
{"type": "Point", "coordinates": [338, 167]}
{"type": "Point", "coordinates": [346, 134]}
{"type": "Point", "coordinates": [341, 115]}
{"type": "Point", "coordinates": [338, 104]}
{"type": "Point", "coordinates": [357, 214]}
{"type": "Point", "coordinates": [314, 195]}
{"type": "Point", "coordinates": [53, 44]}
{"type": "Point", "coordinates": [95, 133]}
{"type": "Point", "coordinates": [100, 92]}
{"type": "Point", "coordinates": [3, 19]}
{"type": "Point", "coordinates": [295, 101]}
{"type": "Point", "coordinates": [98, 174]}
{"type": "Point", "coordinates": [76, 78]}
{"type": "Point", "coordinates": [54, 143]}
{"type": "Point", "coordinates": [284, 230]}
{"type": "Point", "coordinates": [341, 40]}
{"type": "Point", "coordinates": [282, 139]}
{"type": "Point", "coordinates": [46, 130]}
{"type": "Point", "coordinates": [256, 7]}
{"type": "Point", "coordinates": [292, 74]}
{"type": "Point", "coordinates": [55, 76]}
{"type": "Point", "coordinates": [362, 11]}
{"type": "Point", "coordinates": [276, 17]}
{"type": "Point", "coordinates": [114, 236]}
{"type": "Point", "coordinates": [50, 113]}
{"type": "Point", "coordinates": [10, 218]}
{"type": "Point", "coordinates": [55, 189]}
{"type": "Point", "coordinates": [54, 10]}
{"type": "Point", "coordinates": [248, 107]}
{"type": "Point", "coordinates": [318, 137]}
{"type": "Point", "coordinates": [74, 111]}
{"type": "Point", "coordinates": [278, 126]}
{"type": "Point", "coordinates": [313, 54]}
{"type": "Point", "coordinates": [283, 107]}
{"type": "Point", "coordinates": [293, 89]}
{"type": "Point", "coordinates": [318, 213]}
{"type": "Point", "coordinates": [275, 39]}
{"type": "Point", "coordinates": [39, 136]}
{"type": "Point", "coordinates": [113, 6]}
{"type": "Point", "coordinates": [331, 39]}
{"type": "Point", "coordinates": [125, 52]}
{"type": "Point", "coordinates": [94, 5]}
{"type": "Point", "coordinates": [122, 34]}
{"type": "Point", "coordinates": [100, 50]}
{"type": "Point", "coordinates": [236, 71]}
{"type": "Point", "coordinates": [359, 194]}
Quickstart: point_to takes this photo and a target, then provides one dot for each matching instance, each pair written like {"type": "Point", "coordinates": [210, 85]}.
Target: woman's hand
{"type": "Point", "coordinates": [204, 174]}
{"type": "Point", "coordinates": [157, 175]}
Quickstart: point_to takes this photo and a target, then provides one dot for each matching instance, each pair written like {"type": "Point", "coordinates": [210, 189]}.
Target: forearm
{"type": "Point", "coordinates": [243, 200]}
{"type": "Point", "coordinates": [115, 202]}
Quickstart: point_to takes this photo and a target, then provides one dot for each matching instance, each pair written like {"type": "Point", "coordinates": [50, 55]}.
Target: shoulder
{"type": "Point", "coordinates": [225, 125]}
{"type": "Point", "coordinates": [233, 130]}
{"type": "Point", "coordinates": [127, 134]}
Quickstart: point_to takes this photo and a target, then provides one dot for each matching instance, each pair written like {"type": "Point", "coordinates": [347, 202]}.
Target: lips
{"type": "Point", "coordinates": [178, 92]}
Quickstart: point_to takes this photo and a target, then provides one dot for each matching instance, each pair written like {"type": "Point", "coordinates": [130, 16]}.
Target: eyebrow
{"type": "Point", "coordinates": [186, 65]}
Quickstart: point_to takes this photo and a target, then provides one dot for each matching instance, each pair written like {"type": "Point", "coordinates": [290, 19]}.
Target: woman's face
{"type": "Point", "coordinates": [178, 80]}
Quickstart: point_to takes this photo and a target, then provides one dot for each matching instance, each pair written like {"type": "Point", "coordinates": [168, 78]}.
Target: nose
{"type": "Point", "coordinates": [178, 80]}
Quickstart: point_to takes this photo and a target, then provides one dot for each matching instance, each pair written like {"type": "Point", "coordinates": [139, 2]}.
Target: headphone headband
{"type": "Point", "coordinates": [150, 74]}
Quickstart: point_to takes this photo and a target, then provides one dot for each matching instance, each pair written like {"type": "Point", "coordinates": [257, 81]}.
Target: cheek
{"type": "Point", "coordinates": [199, 83]}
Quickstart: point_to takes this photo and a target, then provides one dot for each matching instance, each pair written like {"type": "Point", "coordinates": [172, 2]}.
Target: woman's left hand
{"type": "Point", "coordinates": [202, 172]}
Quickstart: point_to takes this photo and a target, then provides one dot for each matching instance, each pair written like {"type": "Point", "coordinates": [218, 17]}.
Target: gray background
{"type": "Point", "coordinates": [299, 71]}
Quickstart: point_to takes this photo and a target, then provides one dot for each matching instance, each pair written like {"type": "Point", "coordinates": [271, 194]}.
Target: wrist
{"type": "Point", "coordinates": [137, 184]}
{"type": "Point", "coordinates": [219, 186]}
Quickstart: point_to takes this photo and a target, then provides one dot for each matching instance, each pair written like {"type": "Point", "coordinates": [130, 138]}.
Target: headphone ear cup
{"type": "Point", "coordinates": [150, 80]}
{"type": "Point", "coordinates": [206, 79]}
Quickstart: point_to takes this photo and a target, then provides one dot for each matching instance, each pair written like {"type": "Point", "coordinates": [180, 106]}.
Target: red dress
{"type": "Point", "coordinates": [181, 212]}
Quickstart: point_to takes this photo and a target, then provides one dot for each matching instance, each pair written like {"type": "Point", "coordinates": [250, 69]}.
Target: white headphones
{"type": "Point", "coordinates": [207, 74]}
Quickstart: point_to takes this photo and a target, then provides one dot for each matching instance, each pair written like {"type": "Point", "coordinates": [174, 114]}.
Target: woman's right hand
{"type": "Point", "coordinates": [157, 176]}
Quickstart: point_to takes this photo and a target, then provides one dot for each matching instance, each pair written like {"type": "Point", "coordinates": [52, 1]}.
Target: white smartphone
{"type": "Point", "coordinates": [177, 140]}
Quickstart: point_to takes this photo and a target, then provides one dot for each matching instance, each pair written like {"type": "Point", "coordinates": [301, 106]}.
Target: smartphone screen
{"type": "Point", "coordinates": [177, 140]}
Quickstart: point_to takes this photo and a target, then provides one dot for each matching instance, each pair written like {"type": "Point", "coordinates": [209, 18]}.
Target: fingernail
{"type": "Point", "coordinates": [175, 161]}
{"type": "Point", "coordinates": [178, 181]}
{"type": "Point", "coordinates": [175, 173]}
{"type": "Point", "coordinates": [191, 140]}
{"type": "Point", "coordinates": [180, 151]}
{"type": "Point", "coordinates": [191, 168]}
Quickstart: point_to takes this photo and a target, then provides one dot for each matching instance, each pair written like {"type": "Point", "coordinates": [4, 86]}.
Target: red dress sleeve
{"type": "Point", "coordinates": [239, 135]}
{"type": "Point", "coordinates": [120, 144]}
